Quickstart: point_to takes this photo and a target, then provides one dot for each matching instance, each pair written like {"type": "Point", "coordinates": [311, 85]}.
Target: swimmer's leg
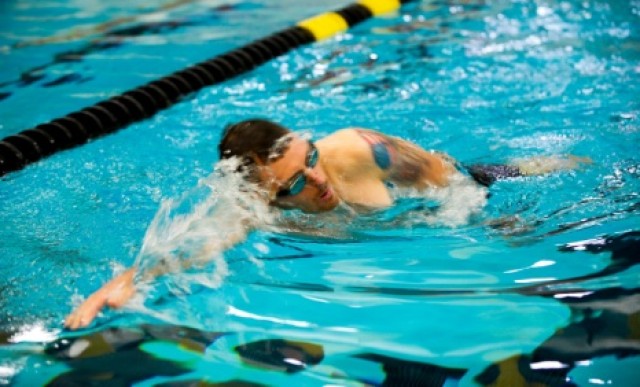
{"type": "Point", "coordinates": [487, 174]}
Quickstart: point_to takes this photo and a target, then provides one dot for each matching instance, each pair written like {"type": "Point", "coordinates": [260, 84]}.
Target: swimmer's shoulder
{"type": "Point", "coordinates": [344, 142]}
{"type": "Point", "coordinates": [347, 150]}
{"type": "Point", "coordinates": [342, 136]}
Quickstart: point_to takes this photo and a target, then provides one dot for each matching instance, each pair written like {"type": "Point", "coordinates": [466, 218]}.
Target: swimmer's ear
{"type": "Point", "coordinates": [256, 160]}
{"type": "Point", "coordinates": [260, 167]}
{"type": "Point", "coordinates": [264, 178]}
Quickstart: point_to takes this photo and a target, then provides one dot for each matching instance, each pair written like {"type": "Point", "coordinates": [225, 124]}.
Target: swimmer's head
{"type": "Point", "coordinates": [253, 142]}
{"type": "Point", "coordinates": [283, 163]}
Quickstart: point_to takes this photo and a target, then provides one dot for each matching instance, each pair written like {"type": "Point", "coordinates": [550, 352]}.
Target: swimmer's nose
{"type": "Point", "coordinates": [314, 177]}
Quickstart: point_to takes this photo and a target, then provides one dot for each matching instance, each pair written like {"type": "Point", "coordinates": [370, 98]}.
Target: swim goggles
{"type": "Point", "coordinates": [298, 181]}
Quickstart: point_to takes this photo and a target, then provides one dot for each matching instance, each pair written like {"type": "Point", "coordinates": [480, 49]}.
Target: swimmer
{"type": "Point", "coordinates": [354, 166]}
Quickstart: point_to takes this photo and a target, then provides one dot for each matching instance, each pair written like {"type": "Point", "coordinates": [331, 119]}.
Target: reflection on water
{"type": "Point", "coordinates": [603, 323]}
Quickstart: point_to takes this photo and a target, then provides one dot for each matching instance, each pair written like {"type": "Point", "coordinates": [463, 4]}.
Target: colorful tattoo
{"type": "Point", "coordinates": [383, 152]}
{"type": "Point", "coordinates": [407, 164]}
{"type": "Point", "coordinates": [410, 164]}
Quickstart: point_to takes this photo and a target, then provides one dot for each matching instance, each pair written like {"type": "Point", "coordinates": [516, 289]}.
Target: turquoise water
{"type": "Point", "coordinates": [397, 297]}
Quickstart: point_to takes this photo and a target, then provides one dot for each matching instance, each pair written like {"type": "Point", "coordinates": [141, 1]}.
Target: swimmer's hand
{"type": "Point", "coordinates": [113, 294]}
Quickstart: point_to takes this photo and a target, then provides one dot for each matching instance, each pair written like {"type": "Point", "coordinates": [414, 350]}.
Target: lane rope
{"type": "Point", "coordinates": [102, 118]}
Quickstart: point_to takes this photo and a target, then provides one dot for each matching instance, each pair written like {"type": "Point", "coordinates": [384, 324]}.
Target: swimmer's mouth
{"type": "Point", "coordinates": [327, 194]}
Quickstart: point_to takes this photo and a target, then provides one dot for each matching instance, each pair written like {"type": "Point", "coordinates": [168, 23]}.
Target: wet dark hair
{"type": "Point", "coordinates": [251, 139]}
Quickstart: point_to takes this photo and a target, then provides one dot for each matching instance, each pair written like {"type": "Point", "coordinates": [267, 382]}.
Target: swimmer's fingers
{"type": "Point", "coordinates": [578, 160]}
{"type": "Point", "coordinates": [114, 294]}
{"type": "Point", "coordinates": [87, 311]}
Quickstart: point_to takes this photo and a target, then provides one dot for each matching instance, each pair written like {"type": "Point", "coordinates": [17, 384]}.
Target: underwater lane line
{"type": "Point", "coordinates": [77, 128]}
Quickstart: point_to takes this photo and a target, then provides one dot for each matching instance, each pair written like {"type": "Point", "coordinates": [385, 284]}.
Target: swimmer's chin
{"type": "Point", "coordinates": [321, 210]}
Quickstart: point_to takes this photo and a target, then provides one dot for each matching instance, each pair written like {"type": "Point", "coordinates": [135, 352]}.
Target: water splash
{"type": "Point", "coordinates": [195, 229]}
{"type": "Point", "coordinates": [456, 204]}
{"type": "Point", "coordinates": [34, 333]}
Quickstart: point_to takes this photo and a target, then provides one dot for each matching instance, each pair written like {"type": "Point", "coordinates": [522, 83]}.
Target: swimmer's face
{"type": "Point", "coordinates": [297, 179]}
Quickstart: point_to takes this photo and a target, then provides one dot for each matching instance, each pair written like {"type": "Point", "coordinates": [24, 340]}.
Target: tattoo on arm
{"type": "Point", "coordinates": [380, 147]}
{"type": "Point", "coordinates": [404, 161]}
{"type": "Point", "coordinates": [411, 166]}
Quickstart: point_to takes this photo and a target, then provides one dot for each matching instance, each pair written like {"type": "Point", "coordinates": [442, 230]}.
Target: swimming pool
{"type": "Point", "coordinates": [402, 295]}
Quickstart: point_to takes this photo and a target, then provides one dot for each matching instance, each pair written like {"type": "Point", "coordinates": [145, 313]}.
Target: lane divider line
{"type": "Point", "coordinates": [80, 127]}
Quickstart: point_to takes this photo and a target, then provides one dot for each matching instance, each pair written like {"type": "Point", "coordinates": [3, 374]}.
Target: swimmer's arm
{"type": "Point", "coordinates": [405, 163]}
{"type": "Point", "coordinates": [119, 290]}
{"type": "Point", "coordinates": [213, 247]}
{"type": "Point", "coordinates": [542, 165]}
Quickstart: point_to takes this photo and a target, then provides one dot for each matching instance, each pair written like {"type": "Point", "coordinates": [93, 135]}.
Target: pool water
{"type": "Point", "coordinates": [538, 285]}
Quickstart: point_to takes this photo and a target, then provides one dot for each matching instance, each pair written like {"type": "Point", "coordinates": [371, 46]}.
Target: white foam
{"type": "Point", "coordinates": [36, 333]}
{"type": "Point", "coordinates": [459, 201]}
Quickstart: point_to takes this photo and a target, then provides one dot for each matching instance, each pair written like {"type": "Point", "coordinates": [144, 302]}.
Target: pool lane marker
{"type": "Point", "coordinates": [77, 128]}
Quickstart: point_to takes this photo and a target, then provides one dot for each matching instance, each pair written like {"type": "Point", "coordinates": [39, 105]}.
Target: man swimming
{"type": "Point", "coordinates": [354, 166]}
